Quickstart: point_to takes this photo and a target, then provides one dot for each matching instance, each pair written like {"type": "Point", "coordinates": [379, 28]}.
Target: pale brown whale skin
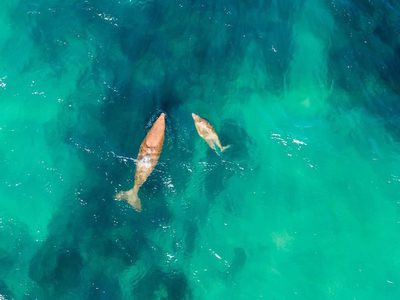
{"type": "Point", "coordinates": [208, 133]}
{"type": "Point", "coordinates": [149, 153]}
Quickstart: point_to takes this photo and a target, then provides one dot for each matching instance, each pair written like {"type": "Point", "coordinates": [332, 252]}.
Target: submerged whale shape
{"type": "Point", "coordinates": [208, 133]}
{"type": "Point", "coordinates": [149, 153]}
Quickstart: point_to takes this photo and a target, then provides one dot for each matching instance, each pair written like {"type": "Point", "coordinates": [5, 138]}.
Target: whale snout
{"type": "Point", "coordinates": [160, 121]}
{"type": "Point", "coordinates": [161, 117]}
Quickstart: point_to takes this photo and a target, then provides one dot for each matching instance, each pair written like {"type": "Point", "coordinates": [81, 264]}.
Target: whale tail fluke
{"type": "Point", "coordinates": [132, 197]}
{"type": "Point", "coordinates": [225, 148]}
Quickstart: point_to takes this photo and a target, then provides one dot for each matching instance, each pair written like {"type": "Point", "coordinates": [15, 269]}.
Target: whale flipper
{"type": "Point", "coordinates": [225, 148]}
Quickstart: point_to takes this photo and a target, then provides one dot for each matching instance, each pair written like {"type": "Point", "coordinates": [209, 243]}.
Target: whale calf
{"type": "Point", "coordinates": [207, 132]}
{"type": "Point", "coordinates": [147, 159]}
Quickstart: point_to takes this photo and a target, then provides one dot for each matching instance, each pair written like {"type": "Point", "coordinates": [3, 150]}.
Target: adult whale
{"type": "Point", "coordinates": [207, 132]}
{"type": "Point", "coordinates": [147, 159]}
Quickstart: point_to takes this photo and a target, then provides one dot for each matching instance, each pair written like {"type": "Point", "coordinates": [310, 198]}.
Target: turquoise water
{"type": "Point", "coordinates": [304, 205]}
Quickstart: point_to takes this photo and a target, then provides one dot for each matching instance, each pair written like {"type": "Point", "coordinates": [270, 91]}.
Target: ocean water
{"type": "Point", "coordinates": [304, 205]}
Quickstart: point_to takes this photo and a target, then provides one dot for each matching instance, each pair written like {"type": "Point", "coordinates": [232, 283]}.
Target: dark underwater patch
{"type": "Point", "coordinates": [56, 270]}
{"type": "Point", "coordinates": [192, 231]}
{"type": "Point", "coordinates": [365, 63]}
{"type": "Point", "coordinates": [98, 237]}
{"type": "Point", "coordinates": [102, 287]}
{"type": "Point", "coordinates": [238, 262]}
{"type": "Point", "coordinates": [160, 285]}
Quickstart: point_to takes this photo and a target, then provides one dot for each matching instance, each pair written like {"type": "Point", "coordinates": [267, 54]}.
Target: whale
{"type": "Point", "coordinates": [207, 132]}
{"type": "Point", "coordinates": [149, 153]}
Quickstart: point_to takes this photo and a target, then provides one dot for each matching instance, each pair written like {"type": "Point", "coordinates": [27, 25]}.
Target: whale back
{"type": "Point", "coordinates": [204, 128]}
{"type": "Point", "coordinates": [155, 136]}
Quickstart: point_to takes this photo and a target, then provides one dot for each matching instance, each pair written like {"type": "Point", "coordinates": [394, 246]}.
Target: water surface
{"type": "Point", "coordinates": [304, 205]}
